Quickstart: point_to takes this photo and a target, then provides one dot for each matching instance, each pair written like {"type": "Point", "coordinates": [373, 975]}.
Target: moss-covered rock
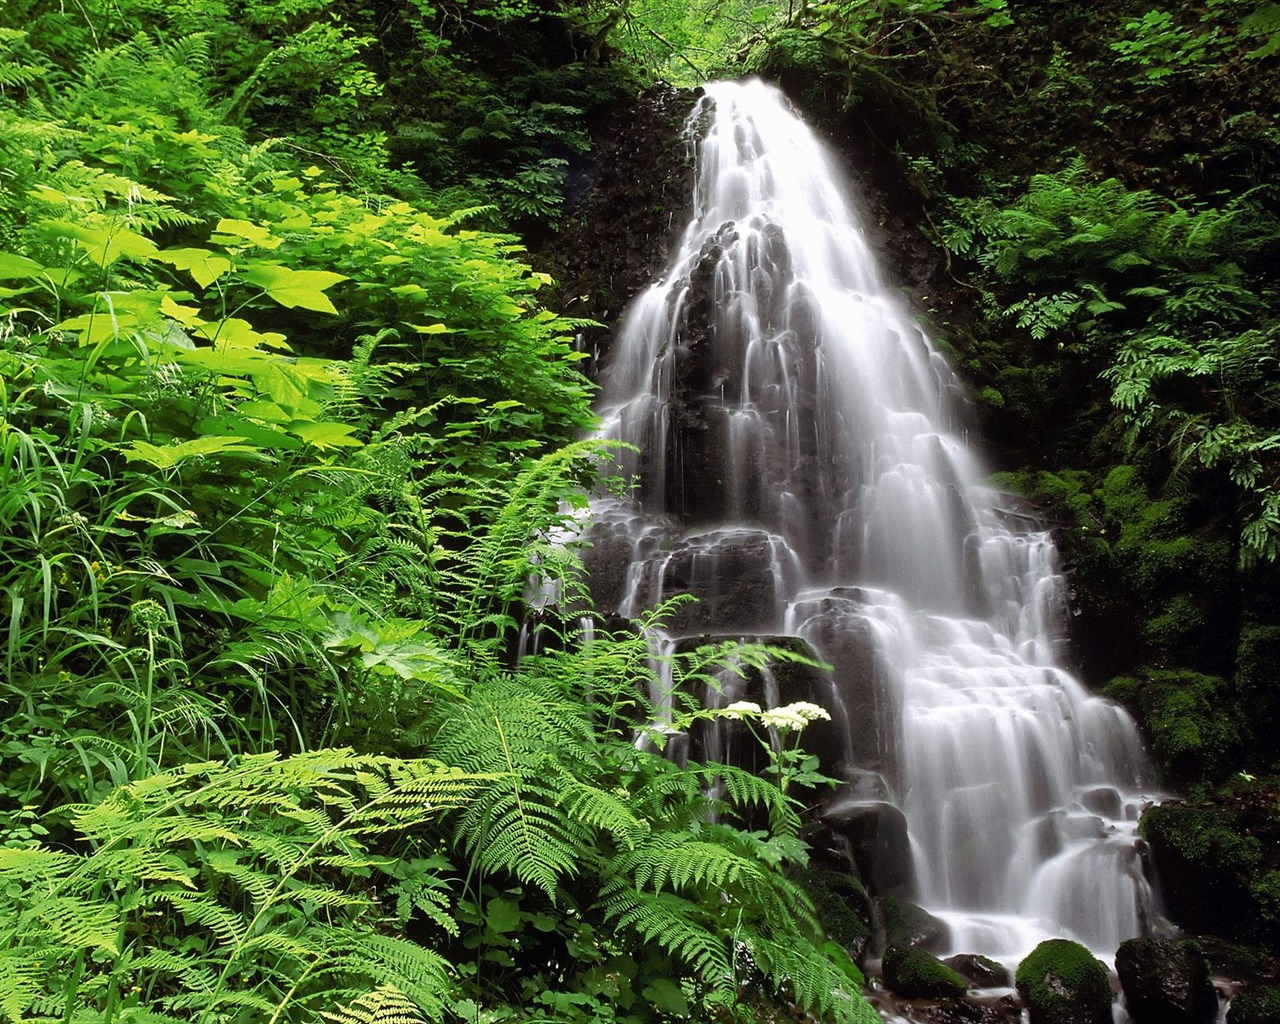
{"type": "Point", "coordinates": [844, 910]}
{"type": "Point", "coordinates": [1187, 715]}
{"type": "Point", "coordinates": [980, 971]}
{"type": "Point", "coordinates": [1063, 983]}
{"type": "Point", "coordinates": [900, 922]}
{"type": "Point", "coordinates": [1234, 960]}
{"type": "Point", "coordinates": [1214, 869]}
{"type": "Point", "coordinates": [1255, 1006]}
{"type": "Point", "coordinates": [916, 973]}
{"type": "Point", "coordinates": [1166, 982]}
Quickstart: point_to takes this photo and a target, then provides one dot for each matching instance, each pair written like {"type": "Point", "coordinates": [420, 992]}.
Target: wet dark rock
{"type": "Point", "coordinates": [624, 208]}
{"type": "Point", "coordinates": [1166, 982]}
{"type": "Point", "coordinates": [1006, 1010]}
{"type": "Point", "coordinates": [1104, 800]}
{"type": "Point", "coordinates": [1237, 962]}
{"type": "Point", "coordinates": [1061, 982]}
{"type": "Point", "coordinates": [875, 834]}
{"type": "Point", "coordinates": [902, 923]}
{"type": "Point", "coordinates": [980, 971]}
{"type": "Point", "coordinates": [917, 974]}
{"type": "Point", "coordinates": [1208, 859]}
{"type": "Point", "coordinates": [734, 573]}
{"type": "Point", "coordinates": [839, 631]}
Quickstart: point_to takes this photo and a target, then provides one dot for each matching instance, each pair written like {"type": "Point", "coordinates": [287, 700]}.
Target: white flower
{"type": "Point", "coordinates": [739, 708]}
{"type": "Point", "coordinates": [794, 716]}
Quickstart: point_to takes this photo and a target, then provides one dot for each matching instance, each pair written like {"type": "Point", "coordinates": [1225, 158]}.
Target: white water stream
{"type": "Point", "coordinates": [802, 471]}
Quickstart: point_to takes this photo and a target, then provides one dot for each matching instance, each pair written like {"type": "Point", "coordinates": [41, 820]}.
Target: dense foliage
{"type": "Point", "coordinates": [286, 437]}
{"type": "Point", "coordinates": [286, 442]}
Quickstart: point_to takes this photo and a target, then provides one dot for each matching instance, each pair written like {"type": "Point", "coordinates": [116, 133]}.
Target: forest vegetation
{"type": "Point", "coordinates": [289, 424]}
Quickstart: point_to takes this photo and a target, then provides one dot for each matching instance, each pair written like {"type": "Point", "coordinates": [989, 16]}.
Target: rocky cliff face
{"type": "Point", "coordinates": [625, 204]}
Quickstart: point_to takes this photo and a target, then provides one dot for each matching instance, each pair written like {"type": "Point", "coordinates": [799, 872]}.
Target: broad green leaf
{"type": "Point", "coordinates": [268, 412]}
{"type": "Point", "coordinates": [204, 266]}
{"type": "Point", "coordinates": [98, 326]}
{"type": "Point", "coordinates": [667, 997]}
{"type": "Point", "coordinates": [326, 435]}
{"type": "Point", "coordinates": [188, 316]}
{"type": "Point", "coordinates": [235, 230]}
{"type": "Point", "coordinates": [293, 288]}
{"type": "Point", "coordinates": [104, 243]}
{"type": "Point", "coordinates": [431, 329]}
{"type": "Point", "coordinates": [237, 362]}
{"type": "Point", "coordinates": [13, 266]}
{"type": "Point", "coordinates": [234, 333]}
{"type": "Point", "coordinates": [260, 433]}
{"type": "Point", "coordinates": [288, 388]}
{"type": "Point", "coordinates": [168, 456]}
{"type": "Point", "coordinates": [502, 915]}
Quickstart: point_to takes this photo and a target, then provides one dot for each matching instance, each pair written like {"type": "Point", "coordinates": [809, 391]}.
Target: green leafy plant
{"type": "Point", "coordinates": [225, 888]}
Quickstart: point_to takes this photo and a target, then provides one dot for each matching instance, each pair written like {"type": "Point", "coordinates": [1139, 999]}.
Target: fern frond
{"type": "Point", "coordinates": [421, 973]}
{"type": "Point", "coordinates": [746, 790]}
{"type": "Point", "coordinates": [679, 863]}
{"type": "Point", "coordinates": [603, 810]}
{"type": "Point", "coordinates": [815, 983]}
{"type": "Point", "coordinates": [75, 923]}
{"type": "Point", "coordinates": [673, 924]}
{"type": "Point", "coordinates": [22, 977]}
{"type": "Point", "coordinates": [384, 1005]}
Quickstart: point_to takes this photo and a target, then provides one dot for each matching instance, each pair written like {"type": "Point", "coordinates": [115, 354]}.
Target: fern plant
{"type": "Point", "coordinates": [242, 889]}
{"type": "Point", "coordinates": [1172, 305]}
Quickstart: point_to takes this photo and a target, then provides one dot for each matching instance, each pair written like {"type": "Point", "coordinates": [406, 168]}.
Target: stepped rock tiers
{"type": "Point", "coordinates": [803, 471]}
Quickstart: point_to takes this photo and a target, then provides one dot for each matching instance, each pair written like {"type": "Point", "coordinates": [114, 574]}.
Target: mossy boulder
{"type": "Point", "coordinates": [900, 922]}
{"type": "Point", "coordinates": [1063, 983]}
{"type": "Point", "coordinates": [1234, 960]}
{"type": "Point", "coordinates": [1166, 982]}
{"type": "Point", "coordinates": [1192, 734]}
{"type": "Point", "coordinates": [915, 973]}
{"type": "Point", "coordinates": [844, 910]}
{"type": "Point", "coordinates": [1255, 1006]}
{"type": "Point", "coordinates": [1208, 864]}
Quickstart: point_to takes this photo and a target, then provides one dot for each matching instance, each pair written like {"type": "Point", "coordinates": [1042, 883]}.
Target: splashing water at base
{"type": "Point", "coordinates": [801, 470]}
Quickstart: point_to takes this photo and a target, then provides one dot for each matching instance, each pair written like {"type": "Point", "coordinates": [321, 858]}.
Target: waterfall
{"type": "Point", "coordinates": [802, 469]}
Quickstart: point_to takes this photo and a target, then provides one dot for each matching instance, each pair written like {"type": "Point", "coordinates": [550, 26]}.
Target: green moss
{"type": "Point", "coordinates": [1257, 658]}
{"type": "Point", "coordinates": [1255, 1006]}
{"type": "Point", "coordinates": [916, 973]}
{"type": "Point", "coordinates": [1201, 836]}
{"type": "Point", "coordinates": [844, 908]}
{"type": "Point", "coordinates": [1266, 890]}
{"type": "Point", "coordinates": [1063, 983]}
{"type": "Point", "coordinates": [1177, 623]}
{"type": "Point", "coordinates": [906, 924]}
{"type": "Point", "coordinates": [1188, 715]}
{"type": "Point", "coordinates": [1218, 875]}
{"type": "Point", "coordinates": [990, 396]}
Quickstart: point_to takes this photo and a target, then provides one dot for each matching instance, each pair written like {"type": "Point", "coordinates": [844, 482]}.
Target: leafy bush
{"type": "Point", "coordinates": [1168, 303]}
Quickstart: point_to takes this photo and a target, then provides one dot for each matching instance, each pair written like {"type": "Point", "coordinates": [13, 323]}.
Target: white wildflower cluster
{"type": "Point", "coordinates": [739, 708]}
{"type": "Point", "coordinates": [794, 716]}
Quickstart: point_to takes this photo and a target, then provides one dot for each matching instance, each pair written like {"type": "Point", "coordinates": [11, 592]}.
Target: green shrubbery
{"type": "Point", "coordinates": [280, 455]}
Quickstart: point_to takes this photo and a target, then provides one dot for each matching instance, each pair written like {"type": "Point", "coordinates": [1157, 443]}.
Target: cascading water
{"type": "Point", "coordinates": [800, 471]}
